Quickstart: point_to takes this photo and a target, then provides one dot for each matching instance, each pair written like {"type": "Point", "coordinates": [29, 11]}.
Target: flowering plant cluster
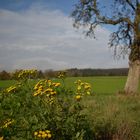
{"type": "Point", "coordinates": [61, 74]}
{"type": "Point", "coordinates": [11, 89]}
{"type": "Point", "coordinates": [46, 87]}
{"type": "Point", "coordinates": [44, 134]}
{"type": "Point", "coordinates": [27, 74]}
{"type": "Point", "coordinates": [6, 123]}
{"type": "Point", "coordinates": [83, 88]}
{"type": "Point", "coordinates": [24, 74]}
{"type": "Point", "coordinates": [43, 110]}
{"type": "Point", "coordinates": [14, 88]}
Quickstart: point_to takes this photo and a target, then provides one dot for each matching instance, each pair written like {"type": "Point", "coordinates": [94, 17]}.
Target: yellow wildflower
{"type": "Point", "coordinates": [49, 89]}
{"type": "Point", "coordinates": [43, 134]}
{"type": "Point", "coordinates": [79, 88]}
{"type": "Point", "coordinates": [36, 87]}
{"type": "Point", "coordinates": [49, 83]}
{"type": "Point", "coordinates": [11, 89]}
{"type": "Point", "coordinates": [46, 87]}
{"type": "Point", "coordinates": [53, 92]}
{"type": "Point", "coordinates": [88, 93]}
{"type": "Point", "coordinates": [7, 123]}
{"type": "Point", "coordinates": [83, 88]}
{"type": "Point", "coordinates": [49, 136]}
{"type": "Point", "coordinates": [48, 131]}
{"type": "Point", "coordinates": [61, 74]}
{"type": "Point", "coordinates": [40, 87]}
{"type": "Point", "coordinates": [78, 97]}
{"type": "Point", "coordinates": [35, 133]}
{"type": "Point", "coordinates": [56, 84]}
{"type": "Point", "coordinates": [36, 93]}
{"type": "Point", "coordinates": [87, 87]}
{"type": "Point", "coordinates": [24, 74]}
{"type": "Point", "coordinates": [39, 135]}
{"type": "Point", "coordinates": [1, 138]}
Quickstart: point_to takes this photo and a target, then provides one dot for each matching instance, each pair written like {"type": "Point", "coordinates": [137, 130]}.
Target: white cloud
{"type": "Point", "coordinates": [44, 39]}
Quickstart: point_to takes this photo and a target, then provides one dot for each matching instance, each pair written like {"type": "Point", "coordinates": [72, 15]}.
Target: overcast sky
{"type": "Point", "coordinates": [39, 34]}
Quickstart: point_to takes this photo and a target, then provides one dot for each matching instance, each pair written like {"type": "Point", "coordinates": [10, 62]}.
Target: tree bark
{"type": "Point", "coordinates": [132, 83]}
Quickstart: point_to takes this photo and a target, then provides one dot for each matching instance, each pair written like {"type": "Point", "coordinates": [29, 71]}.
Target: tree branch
{"type": "Point", "coordinates": [106, 20]}
{"type": "Point", "coordinates": [137, 2]}
{"type": "Point", "coordinates": [131, 5]}
{"type": "Point", "coordinates": [114, 22]}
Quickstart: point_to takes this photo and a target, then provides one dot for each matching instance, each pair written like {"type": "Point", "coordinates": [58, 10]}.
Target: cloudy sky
{"type": "Point", "coordinates": [39, 34]}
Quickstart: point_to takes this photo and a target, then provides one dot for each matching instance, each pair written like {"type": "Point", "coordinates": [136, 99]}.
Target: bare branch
{"type": "Point", "coordinates": [137, 2]}
{"type": "Point", "coordinates": [131, 5]}
{"type": "Point", "coordinates": [114, 22]}
{"type": "Point", "coordinates": [106, 20]}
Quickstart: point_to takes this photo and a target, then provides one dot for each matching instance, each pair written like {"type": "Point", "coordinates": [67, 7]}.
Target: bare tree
{"type": "Point", "coordinates": [125, 16]}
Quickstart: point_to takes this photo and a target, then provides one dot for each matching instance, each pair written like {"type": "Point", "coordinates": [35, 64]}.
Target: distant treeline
{"type": "Point", "coordinates": [98, 72]}
{"type": "Point", "coordinates": [4, 75]}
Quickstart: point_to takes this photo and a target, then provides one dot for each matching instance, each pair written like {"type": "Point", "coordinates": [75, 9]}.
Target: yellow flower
{"type": "Point", "coordinates": [11, 89]}
{"type": "Point", "coordinates": [24, 74]}
{"type": "Point", "coordinates": [61, 74]}
{"type": "Point", "coordinates": [49, 83]}
{"type": "Point", "coordinates": [1, 138]}
{"type": "Point", "coordinates": [39, 135]}
{"type": "Point", "coordinates": [79, 88]}
{"type": "Point", "coordinates": [88, 93]}
{"type": "Point", "coordinates": [48, 131]}
{"type": "Point", "coordinates": [45, 87]}
{"type": "Point", "coordinates": [86, 87]}
{"type": "Point", "coordinates": [53, 92]}
{"type": "Point", "coordinates": [7, 123]}
{"type": "Point", "coordinates": [40, 87]}
{"type": "Point", "coordinates": [44, 135]}
{"type": "Point", "coordinates": [49, 90]}
{"type": "Point", "coordinates": [56, 84]}
{"type": "Point", "coordinates": [36, 93]}
{"type": "Point", "coordinates": [49, 135]}
{"type": "Point", "coordinates": [35, 133]}
{"type": "Point", "coordinates": [43, 132]}
{"type": "Point", "coordinates": [78, 82]}
{"type": "Point", "coordinates": [40, 132]}
{"type": "Point", "coordinates": [36, 87]}
{"type": "Point", "coordinates": [78, 97]}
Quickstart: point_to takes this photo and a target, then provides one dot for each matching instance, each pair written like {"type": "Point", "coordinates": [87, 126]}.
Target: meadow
{"type": "Point", "coordinates": [101, 85]}
{"type": "Point", "coordinates": [102, 115]}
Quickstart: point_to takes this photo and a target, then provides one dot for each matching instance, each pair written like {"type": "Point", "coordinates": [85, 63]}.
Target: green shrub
{"type": "Point", "coordinates": [45, 111]}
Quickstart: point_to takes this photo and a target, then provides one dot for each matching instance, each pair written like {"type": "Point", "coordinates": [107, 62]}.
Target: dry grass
{"type": "Point", "coordinates": [114, 117]}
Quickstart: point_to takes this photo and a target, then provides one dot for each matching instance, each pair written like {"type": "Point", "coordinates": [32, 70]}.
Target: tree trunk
{"type": "Point", "coordinates": [132, 83]}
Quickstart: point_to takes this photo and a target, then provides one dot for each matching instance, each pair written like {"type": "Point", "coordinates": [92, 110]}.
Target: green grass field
{"type": "Point", "coordinates": [101, 85]}
{"type": "Point", "coordinates": [6, 83]}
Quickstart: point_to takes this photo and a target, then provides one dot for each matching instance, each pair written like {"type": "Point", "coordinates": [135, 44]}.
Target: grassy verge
{"type": "Point", "coordinates": [114, 117]}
